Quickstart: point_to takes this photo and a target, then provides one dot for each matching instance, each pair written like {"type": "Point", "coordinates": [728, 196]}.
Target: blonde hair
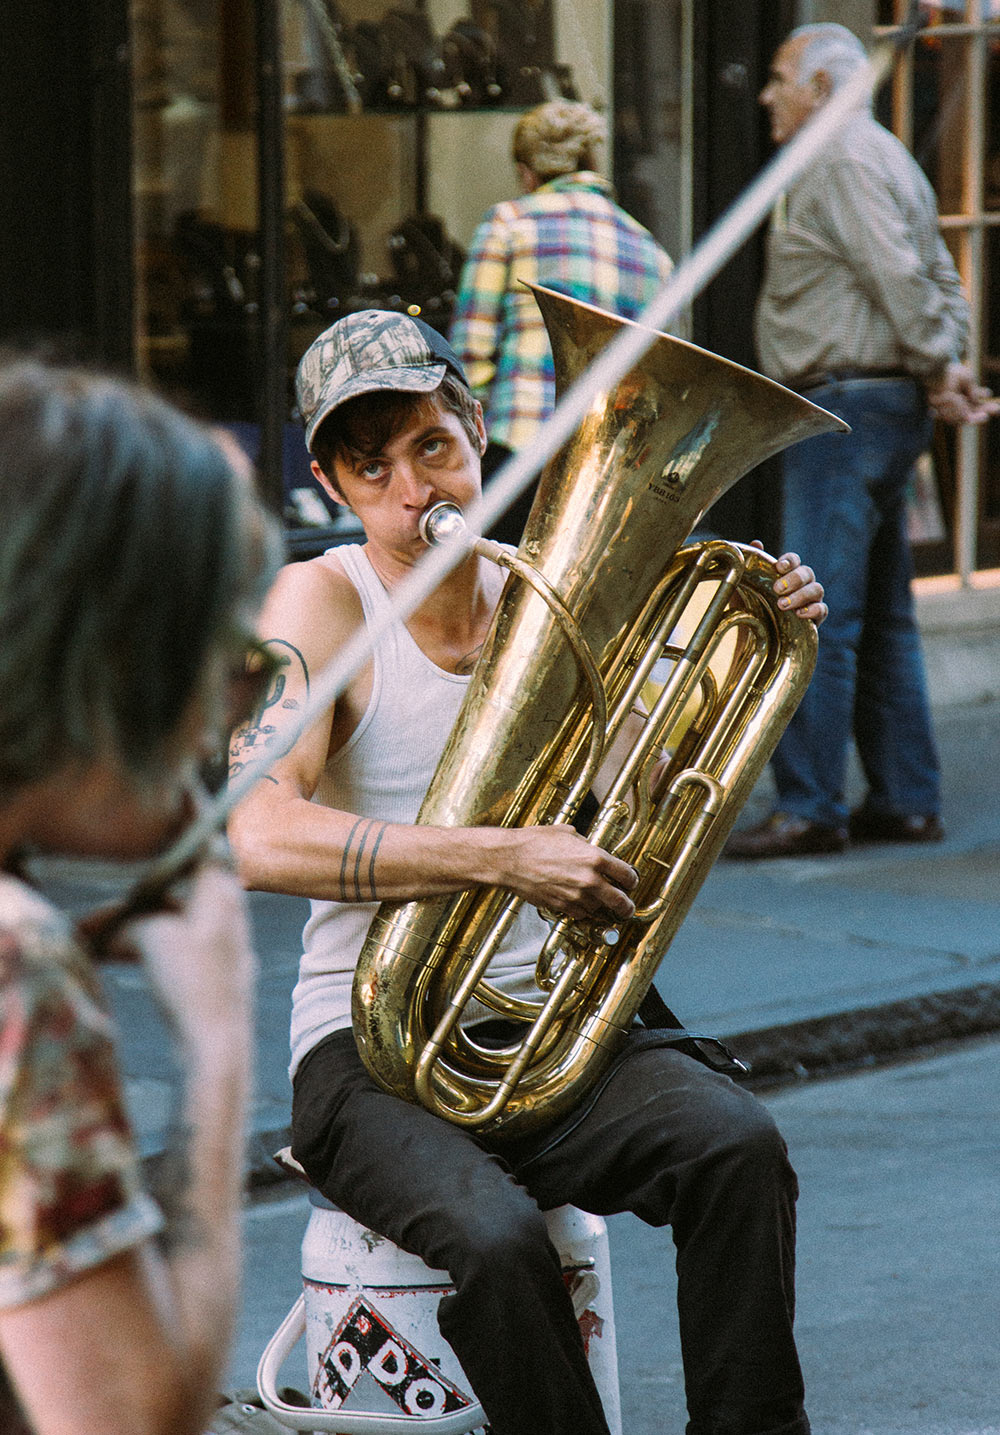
{"type": "Point", "coordinates": [558, 138]}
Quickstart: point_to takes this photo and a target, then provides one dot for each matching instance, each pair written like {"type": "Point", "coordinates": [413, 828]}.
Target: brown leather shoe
{"type": "Point", "coordinates": [866, 826]}
{"type": "Point", "coordinates": [784, 835]}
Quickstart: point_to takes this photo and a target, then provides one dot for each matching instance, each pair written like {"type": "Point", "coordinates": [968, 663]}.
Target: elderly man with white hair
{"type": "Point", "coordinates": [862, 309]}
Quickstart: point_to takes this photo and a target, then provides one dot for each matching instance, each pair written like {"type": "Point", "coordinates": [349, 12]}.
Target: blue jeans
{"type": "Point", "coordinates": [845, 514]}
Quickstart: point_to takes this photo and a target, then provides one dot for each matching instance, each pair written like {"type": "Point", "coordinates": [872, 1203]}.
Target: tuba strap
{"type": "Point", "coordinates": [654, 1012]}
{"type": "Point", "coordinates": [664, 1024]}
{"type": "Point", "coordinates": [707, 1049]}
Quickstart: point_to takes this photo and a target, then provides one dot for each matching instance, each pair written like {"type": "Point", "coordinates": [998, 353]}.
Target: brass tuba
{"type": "Point", "coordinates": [598, 591]}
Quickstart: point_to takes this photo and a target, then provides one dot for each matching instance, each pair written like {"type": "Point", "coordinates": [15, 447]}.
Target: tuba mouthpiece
{"type": "Point", "coordinates": [441, 522]}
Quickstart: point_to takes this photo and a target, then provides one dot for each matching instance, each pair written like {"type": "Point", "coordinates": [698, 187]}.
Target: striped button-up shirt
{"type": "Point", "coordinates": [569, 235]}
{"type": "Point", "coordinates": [858, 276]}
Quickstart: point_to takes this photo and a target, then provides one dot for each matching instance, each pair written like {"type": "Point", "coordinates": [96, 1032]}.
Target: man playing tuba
{"type": "Point", "coordinates": [393, 429]}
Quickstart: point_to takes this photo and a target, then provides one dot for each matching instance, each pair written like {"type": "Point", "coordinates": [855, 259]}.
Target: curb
{"type": "Point", "coordinates": [261, 1170]}
{"type": "Point", "coordinates": [866, 1036]}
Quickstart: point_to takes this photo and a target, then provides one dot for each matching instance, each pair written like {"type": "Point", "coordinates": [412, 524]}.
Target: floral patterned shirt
{"type": "Point", "coordinates": [70, 1190]}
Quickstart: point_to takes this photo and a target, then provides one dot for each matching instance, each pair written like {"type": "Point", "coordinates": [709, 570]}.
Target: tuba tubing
{"type": "Point", "coordinates": [598, 590]}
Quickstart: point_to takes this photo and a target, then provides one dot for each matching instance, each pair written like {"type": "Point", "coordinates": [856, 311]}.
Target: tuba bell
{"type": "Point", "coordinates": [586, 634]}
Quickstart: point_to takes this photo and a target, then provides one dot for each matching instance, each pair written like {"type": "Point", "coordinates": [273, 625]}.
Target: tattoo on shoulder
{"type": "Point", "coordinates": [465, 664]}
{"type": "Point", "coordinates": [357, 865]}
{"type": "Point", "coordinates": [260, 727]}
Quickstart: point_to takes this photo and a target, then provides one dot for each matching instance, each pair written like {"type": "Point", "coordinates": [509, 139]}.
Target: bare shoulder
{"type": "Point", "coordinates": [313, 606]}
{"type": "Point", "coordinates": [311, 611]}
{"type": "Point", "coordinates": [317, 583]}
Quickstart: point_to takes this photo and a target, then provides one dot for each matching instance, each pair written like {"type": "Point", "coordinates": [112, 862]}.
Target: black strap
{"type": "Point", "coordinates": [654, 1012]}
{"type": "Point", "coordinates": [657, 1017]}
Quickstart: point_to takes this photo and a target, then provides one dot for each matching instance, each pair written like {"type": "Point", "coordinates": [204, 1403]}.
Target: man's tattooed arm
{"type": "Point", "coordinates": [357, 866]}
{"type": "Point", "coordinates": [249, 742]}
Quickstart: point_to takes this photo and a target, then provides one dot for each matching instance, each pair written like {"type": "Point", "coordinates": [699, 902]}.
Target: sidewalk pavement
{"type": "Point", "coordinates": [801, 964]}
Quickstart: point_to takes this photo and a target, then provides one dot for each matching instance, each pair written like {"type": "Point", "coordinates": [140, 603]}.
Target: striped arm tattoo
{"type": "Point", "coordinates": [357, 865]}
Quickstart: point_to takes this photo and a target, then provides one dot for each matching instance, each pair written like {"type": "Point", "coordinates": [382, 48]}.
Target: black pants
{"type": "Point", "coordinates": [666, 1138]}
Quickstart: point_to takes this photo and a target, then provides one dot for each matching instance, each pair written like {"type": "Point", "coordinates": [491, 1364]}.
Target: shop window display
{"type": "Point", "coordinates": [383, 105]}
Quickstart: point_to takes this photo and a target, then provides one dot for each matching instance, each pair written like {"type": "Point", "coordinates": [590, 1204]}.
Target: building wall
{"type": "Point", "coordinates": [733, 44]}
{"type": "Point", "coordinates": [959, 625]}
{"type": "Point", "coordinates": [463, 191]}
{"type": "Point", "coordinates": [857, 15]}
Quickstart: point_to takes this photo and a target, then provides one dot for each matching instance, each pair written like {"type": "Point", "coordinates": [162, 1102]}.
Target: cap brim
{"type": "Point", "coordinates": [406, 379]}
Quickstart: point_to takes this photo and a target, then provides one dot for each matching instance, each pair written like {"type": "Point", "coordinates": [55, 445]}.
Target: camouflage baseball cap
{"type": "Point", "coordinates": [373, 349]}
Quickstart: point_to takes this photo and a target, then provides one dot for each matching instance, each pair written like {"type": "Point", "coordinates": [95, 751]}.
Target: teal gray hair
{"type": "Point", "coordinates": [130, 549]}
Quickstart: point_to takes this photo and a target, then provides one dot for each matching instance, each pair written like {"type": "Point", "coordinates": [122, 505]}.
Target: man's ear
{"type": "Point", "coordinates": [822, 86]}
{"type": "Point", "coordinates": [481, 428]}
{"type": "Point", "coordinates": [527, 177]}
{"type": "Point", "coordinates": [327, 484]}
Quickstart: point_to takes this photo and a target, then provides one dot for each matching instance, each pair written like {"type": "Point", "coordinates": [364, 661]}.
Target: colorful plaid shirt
{"type": "Point", "coordinates": [570, 235]}
{"type": "Point", "coordinates": [70, 1193]}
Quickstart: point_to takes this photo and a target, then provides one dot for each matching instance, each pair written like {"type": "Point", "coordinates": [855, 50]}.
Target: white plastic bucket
{"type": "Point", "coordinates": [373, 1347]}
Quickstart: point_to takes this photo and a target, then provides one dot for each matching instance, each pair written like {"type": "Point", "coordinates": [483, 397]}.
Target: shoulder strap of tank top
{"type": "Point", "coordinates": [358, 568]}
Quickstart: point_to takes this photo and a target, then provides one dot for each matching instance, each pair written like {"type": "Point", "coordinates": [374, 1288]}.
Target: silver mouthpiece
{"type": "Point", "coordinates": [442, 522]}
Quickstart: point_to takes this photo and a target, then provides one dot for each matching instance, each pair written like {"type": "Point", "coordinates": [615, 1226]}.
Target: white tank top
{"type": "Point", "coordinates": [383, 771]}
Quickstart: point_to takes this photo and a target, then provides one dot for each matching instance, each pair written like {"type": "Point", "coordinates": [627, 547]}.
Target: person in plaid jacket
{"type": "Point", "coordinates": [566, 232]}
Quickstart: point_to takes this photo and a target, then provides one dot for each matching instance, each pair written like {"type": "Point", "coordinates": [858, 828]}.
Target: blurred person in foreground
{"type": "Point", "coordinates": [394, 429]}
{"type": "Point", "coordinates": [567, 233]}
{"type": "Point", "coordinates": [133, 557]}
{"type": "Point", "coordinates": [863, 311]}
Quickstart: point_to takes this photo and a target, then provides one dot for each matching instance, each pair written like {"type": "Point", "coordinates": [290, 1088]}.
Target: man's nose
{"type": "Point", "coordinates": [414, 486]}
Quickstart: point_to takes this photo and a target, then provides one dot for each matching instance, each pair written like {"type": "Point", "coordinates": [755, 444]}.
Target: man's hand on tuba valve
{"type": "Point", "coordinates": [555, 868]}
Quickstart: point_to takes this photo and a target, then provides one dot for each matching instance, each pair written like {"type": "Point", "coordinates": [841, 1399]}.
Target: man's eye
{"type": "Point", "coordinates": [372, 470]}
{"type": "Point", "coordinates": [433, 447]}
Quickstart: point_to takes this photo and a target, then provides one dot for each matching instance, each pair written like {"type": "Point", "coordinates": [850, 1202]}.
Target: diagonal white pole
{"type": "Point", "coordinates": [719, 244]}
